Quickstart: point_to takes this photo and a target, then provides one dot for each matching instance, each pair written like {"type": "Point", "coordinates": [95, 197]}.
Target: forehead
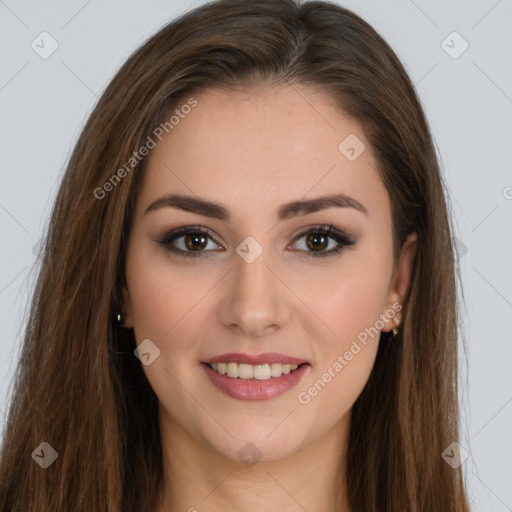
{"type": "Point", "coordinates": [265, 145]}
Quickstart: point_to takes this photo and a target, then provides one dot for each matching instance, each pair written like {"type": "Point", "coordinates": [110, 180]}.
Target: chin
{"type": "Point", "coordinates": [250, 446]}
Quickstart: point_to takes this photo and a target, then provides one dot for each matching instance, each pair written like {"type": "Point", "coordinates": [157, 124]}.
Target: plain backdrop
{"type": "Point", "coordinates": [464, 80]}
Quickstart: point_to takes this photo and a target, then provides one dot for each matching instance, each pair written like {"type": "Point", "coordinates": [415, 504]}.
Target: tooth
{"type": "Point", "coordinates": [262, 372]}
{"type": "Point", "coordinates": [232, 370]}
{"type": "Point", "coordinates": [248, 371]}
{"type": "Point", "coordinates": [245, 371]}
{"type": "Point", "coordinates": [276, 369]}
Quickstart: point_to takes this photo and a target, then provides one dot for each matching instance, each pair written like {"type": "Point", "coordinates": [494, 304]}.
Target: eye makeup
{"type": "Point", "coordinates": [199, 236]}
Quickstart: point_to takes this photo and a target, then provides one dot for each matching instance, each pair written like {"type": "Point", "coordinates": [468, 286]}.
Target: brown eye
{"type": "Point", "coordinates": [317, 242]}
{"type": "Point", "coordinates": [190, 241]}
{"type": "Point", "coordinates": [195, 242]}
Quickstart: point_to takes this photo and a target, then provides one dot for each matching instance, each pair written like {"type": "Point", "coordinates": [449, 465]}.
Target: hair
{"type": "Point", "coordinates": [77, 384]}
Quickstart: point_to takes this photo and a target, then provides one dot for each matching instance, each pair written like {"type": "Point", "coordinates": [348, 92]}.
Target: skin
{"type": "Point", "coordinates": [253, 152]}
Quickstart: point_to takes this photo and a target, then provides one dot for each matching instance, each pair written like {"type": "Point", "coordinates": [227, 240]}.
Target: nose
{"type": "Point", "coordinates": [255, 301]}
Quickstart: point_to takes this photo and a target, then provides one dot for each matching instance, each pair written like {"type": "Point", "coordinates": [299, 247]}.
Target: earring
{"type": "Point", "coordinates": [120, 317]}
{"type": "Point", "coordinates": [395, 329]}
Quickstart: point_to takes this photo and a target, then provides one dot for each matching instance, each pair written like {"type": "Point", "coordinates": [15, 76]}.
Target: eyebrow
{"type": "Point", "coordinates": [286, 211]}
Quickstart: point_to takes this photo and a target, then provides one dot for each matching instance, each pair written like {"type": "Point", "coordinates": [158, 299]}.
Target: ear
{"type": "Point", "coordinates": [401, 280]}
{"type": "Point", "coordinates": [128, 317]}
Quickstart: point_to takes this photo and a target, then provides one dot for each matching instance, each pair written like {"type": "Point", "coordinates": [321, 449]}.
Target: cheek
{"type": "Point", "coordinates": [168, 301]}
{"type": "Point", "coordinates": [350, 304]}
{"type": "Point", "coordinates": [166, 307]}
{"type": "Point", "coordinates": [344, 360]}
{"type": "Point", "coordinates": [346, 300]}
{"type": "Point", "coordinates": [160, 295]}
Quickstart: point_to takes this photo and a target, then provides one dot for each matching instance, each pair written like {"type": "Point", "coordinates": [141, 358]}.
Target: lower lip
{"type": "Point", "coordinates": [253, 389]}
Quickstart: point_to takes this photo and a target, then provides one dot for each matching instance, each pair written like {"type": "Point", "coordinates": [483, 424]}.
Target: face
{"type": "Point", "coordinates": [315, 286]}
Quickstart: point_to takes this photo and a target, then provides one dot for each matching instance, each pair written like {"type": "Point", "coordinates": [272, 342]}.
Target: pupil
{"type": "Point", "coordinates": [194, 239]}
{"type": "Point", "coordinates": [316, 244]}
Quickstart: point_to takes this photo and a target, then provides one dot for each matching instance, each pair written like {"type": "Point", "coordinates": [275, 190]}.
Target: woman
{"type": "Point", "coordinates": [247, 298]}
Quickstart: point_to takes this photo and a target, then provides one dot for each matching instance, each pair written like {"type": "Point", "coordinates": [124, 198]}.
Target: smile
{"type": "Point", "coordinates": [248, 371]}
{"type": "Point", "coordinates": [267, 381]}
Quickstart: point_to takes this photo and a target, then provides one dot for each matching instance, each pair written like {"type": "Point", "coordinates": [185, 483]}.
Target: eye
{"type": "Point", "coordinates": [195, 241]}
{"type": "Point", "coordinates": [317, 241]}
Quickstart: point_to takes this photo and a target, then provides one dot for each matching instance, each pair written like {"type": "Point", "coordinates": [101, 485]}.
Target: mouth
{"type": "Point", "coordinates": [263, 381]}
{"type": "Point", "coordinates": [265, 371]}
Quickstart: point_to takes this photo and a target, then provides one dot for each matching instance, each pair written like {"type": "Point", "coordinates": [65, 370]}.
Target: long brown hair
{"type": "Point", "coordinates": [79, 387]}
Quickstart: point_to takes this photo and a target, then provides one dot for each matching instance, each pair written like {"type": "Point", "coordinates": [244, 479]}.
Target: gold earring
{"type": "Point", "coordinates": [120, 317]}
{"type": "Point", "coordinates": [395, 329]}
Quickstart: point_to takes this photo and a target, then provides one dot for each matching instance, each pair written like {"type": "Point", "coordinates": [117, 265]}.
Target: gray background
{"type": "Point", "coordinates": [468, 99]}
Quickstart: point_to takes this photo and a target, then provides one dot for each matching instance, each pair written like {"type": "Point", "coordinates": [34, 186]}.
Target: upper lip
{"type": "Point", "coordinates": [266, 357]}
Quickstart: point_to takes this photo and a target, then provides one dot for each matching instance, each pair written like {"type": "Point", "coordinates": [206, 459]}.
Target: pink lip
{"type": "Point", "coordinates": [266, 357]}
{"type": "Point", "coordinates": [254, 389]}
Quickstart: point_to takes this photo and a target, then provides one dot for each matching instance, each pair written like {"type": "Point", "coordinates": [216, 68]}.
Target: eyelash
{"type": "Point", "coordinates": [341, 238]}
